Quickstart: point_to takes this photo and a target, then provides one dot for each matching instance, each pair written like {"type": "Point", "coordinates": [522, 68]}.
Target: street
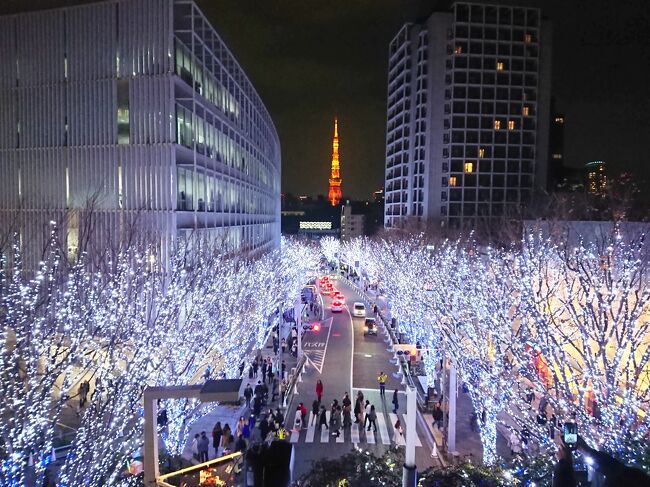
{"type": "Point", "coordinates": [346, 361]}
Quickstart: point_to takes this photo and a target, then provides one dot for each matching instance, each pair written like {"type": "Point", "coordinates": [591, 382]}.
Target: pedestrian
{"type": "Point", "coordinates": [294, 349]}
{"type": "Point", "coordinates": [240, 445]}
{"type": "Point", "coordinates": [276, 346]}
{"type": "Point", "coordinates": [203, 447]}
{"type": "Point", "coordinates": [525, 436]}
{"type": "Point", "coordinates": [372, 419]}
{"type": "Point", "coordinates": [284, 345]}
{"type": "Point", "coordinates": [226, 439]}
{"type": "Point", "coordinates": [360, 397]}
{"type": "Point", "coordinates": [255, 366]}
{"type": "Point", "coordinates": [194, 446]}
{"type": "Point", "coordinates": [216, 437]}
{"type": "Point", "coordinates": [297, 425]}
{"type": "Point", "coordinates": [315, 408]}
{"type": "Point", "coordinates": [358, 406]}
{"type": "Point", "coordinates": [367, 410]}
{"type": "Point", "coordinates": [552, 424]}
{"type": "Point", "coordinates": [248, 394]}
{"type": "Point", "coordinates": [515, 443]}
{"type": "Point", "coordinates": [279, 418]}
{"type": "Point", "coordinates": [335, 421]}
{"type": "Point", "coordinates": [239, 429]}
{"type": "Point", "coordinates": [257, 405]}
{"type": "Point", "coordinates": [264, 428]}
{"type": "Point", "coordinates": [346, 400]}
{"type": "Point", "coordinates": [398, 428]}
{"type": "Point", "coordinates": [284, 370]}
{"type": "Point", "coordinates": [274, 388]}
{"type": "Point", "coordinates": [438, 417]}
{"type": "Point", "coordinates": [303, 415]}
{"type": "Point", "coordinates": [319, 390]}
{"type": "Point", "coordinates": [241, 369]}
{"type": "Point", "coordinates": [251, 422]}
{"type": "Point", "coordinates": [347, 415]}
{"type": "Point", "coordinates": [283, 390]}
{"type": "Point", "coordinates": [250, 371]}
{"type": "Point", "coordinates": [264, 367]}
{"type": "Point", "coordinates": [395, 402]}
{"type": "Point", "coordinates": [382, 378]}
{"type": "Point", "coordinates": [322, 419]}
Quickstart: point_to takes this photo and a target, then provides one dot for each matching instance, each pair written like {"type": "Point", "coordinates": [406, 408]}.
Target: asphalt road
{"type": "Point", "coordinates": [346, 361]}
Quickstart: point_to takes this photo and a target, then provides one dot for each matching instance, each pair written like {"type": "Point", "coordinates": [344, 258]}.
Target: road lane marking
{"type": "Point", "coordinates": [399, 439]}
{"type": "Point", "coordinates": [383, 431]}
{"type": "Point", "coordinates": [295, 435]}
{"type": "Point", "coordinates": [310, 430]}
{"type": "Point", "coordinates": [341, 437]}
{"type": "Point", "coordinates": [417, 438]}
{"type": "Point", "coordinates": [354, 433]}
{"type": "Point", "coordinates": [370, 436]}
{"type": "Point", "coordinates": [325, 432]}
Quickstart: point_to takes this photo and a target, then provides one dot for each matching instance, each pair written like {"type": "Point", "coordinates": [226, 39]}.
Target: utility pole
{"type": "Point", "coordinates": [409, 473]}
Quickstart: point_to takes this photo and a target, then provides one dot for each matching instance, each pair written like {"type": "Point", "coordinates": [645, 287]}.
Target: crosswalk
{"type": "Point", "coordinates": [356, 434]}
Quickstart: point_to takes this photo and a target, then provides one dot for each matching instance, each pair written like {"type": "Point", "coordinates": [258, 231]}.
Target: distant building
{"type": "Point", "coordinates": [353, 224]}
{"type": "Point", "coordinates": [596, 178]}
{"type": "Point", "coordinates": [467, 115]}
{"type": "Point", "coordinates": [334, 194]}
{"type": "Point", "coordinates": [140, 105]}
{"type": "Point", "coordinates": [304, 215]}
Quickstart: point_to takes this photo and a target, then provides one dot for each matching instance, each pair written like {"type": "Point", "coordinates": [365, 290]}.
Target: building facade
{"type": "Point", "coordinates": [137, 109]}
{"type": "Point", "coordinates": [353, 224]}
{"type": "Point", "coordinates": [467, 114]}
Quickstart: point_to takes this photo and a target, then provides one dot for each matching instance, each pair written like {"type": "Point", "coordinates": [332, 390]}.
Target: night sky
{"type": "Point", "coordinates": [313, 59]}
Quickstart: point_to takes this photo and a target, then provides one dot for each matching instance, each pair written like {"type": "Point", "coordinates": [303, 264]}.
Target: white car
{"type": "Point", "coordinates": [337, 306]}
{"type": "Point", "coordinates": [359, 309]}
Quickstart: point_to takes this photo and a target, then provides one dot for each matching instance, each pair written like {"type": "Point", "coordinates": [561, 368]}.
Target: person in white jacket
{"type": "Point", "coordinates": [194, 446]}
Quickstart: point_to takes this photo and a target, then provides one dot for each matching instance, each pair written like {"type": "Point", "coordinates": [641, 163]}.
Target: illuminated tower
{"type": "Point", "coordinates": [334, 195]}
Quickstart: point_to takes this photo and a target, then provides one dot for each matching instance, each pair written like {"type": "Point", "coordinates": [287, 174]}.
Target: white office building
{"type": "Point", "coordinates": [137, 112]}
{"type": "Point", "coordinates": [468, 111]}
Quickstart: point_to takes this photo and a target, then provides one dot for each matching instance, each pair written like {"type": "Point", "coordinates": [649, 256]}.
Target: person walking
{"type": "Point", "coordinates": [216, 437]}
{"type": "Point", "coordinates": [395, 402]}
{"type": "Point", "coordinates": [255, 367]}
{"type": "Point", "coordinates": [203, 447]}
{"type": "Point", "coordinates": [194, 446]}
{"type": "Point", "coordinates": [239, 429]}
{"type": "Point", "coordinates": [335, 421]}
{"type": "Point", "coordinates": [319, 390]}
{"type": "Point", "coordinates": [398, 429]}
{"type": "Point", "coordinates": [264, 368]}
{"type": "Point", "coordinates": [438, 417]}
{"type": "Point", "coordinates": [372, 419]}
{"type": "Point", "coordinates": [297, 426]}
{"type": "Point", "coordinates": [248, 394]}
{"type": "Point", "coordinates": [284, 346]}
{"type": "Point", "coordinates": [347, 416]}
{"type": "Point", "coordinates": [382, 378]}
{"type": "Point", "coordinates": [226, 438]}
{"type": "Point", "coordinates": [315, 408]}
{"type": "Point", "coordinates": [283, 389]}
{"type": "Point", "coordinates": [367, 410]}
{"type": "Point", "coordinates": [322, 418]}
{"type": "Point", "coordinates": [303, 415]}
{"type": "Point", "coordinates": [358, 406]}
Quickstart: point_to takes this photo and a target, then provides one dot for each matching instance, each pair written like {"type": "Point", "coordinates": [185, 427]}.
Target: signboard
{"type": "Point", "coordinates": [315, 225]}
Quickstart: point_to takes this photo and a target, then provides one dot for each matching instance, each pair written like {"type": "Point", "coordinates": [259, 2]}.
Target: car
{"type": "Point", "coordinates": [359, 310]}
{"type": "Point", "coordinates": [337, 306]}
{"type": "Point", "coordinates": [326, 291]}
{"type": "Point", "coordinates": [338, 295]}
{"type": "Point", "coordinates": [370, 327]}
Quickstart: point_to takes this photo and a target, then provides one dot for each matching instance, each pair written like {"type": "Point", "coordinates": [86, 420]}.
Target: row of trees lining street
{"type": "Point", "coordinates": [78, 346]}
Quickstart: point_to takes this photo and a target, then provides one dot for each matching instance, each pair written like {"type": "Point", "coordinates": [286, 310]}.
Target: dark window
{"type": "Point", "coordinates": [123, 132]}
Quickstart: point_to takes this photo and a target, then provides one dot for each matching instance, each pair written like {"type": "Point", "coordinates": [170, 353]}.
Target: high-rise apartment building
{"type": "Point", "coordinates": [468, 111]}
{"type": "Point", "coordinates": [139, 107]}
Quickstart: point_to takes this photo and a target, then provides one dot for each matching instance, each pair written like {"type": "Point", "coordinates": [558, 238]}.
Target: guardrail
{"type": "Point", "coordinates": [295, 376]}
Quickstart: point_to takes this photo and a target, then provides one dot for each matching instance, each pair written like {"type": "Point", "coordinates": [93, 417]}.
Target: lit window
{"type": "Point", "coordinates": [499, 66]}
{"type": "Point", "coordinates": [559, 119]}
{"type": "Point", "coordinates": [511, 124]}
{"type": "Point", "coordinates": [458, 50]}
{"type": "Point", "coordinates": [525, 111]}
{"type": "Point", "coordinates": [481, 152]}
{"type": "Point", "coordinates": [497, 125]}
{"type": "Point", "coordinates": [557, 156]}
{"type": "Point", "coordinates": [528, 38]}
{"type": "Point", "coordinates": [469, 167]}
{"type": "Point", "coordinates": [452, 180]}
